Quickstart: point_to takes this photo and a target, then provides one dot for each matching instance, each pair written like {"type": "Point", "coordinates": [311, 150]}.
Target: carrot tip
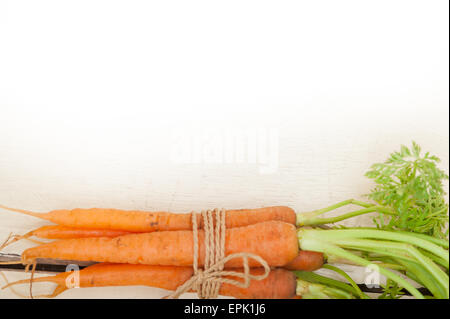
{"type": "Point", "coordinates": [12, 238]}
{"type": "Point", "coordinates": [8, 285]}
{"type": "Point", "coordinates": [7, 241]}
{"type": "Point", "coordinates": [22, 211]}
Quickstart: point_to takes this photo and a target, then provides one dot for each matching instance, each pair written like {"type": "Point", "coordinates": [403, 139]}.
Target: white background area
{"type": "Point", "coordinates": [92, 91]}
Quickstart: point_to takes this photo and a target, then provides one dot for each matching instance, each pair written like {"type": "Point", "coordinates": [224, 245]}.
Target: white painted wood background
{"type": "Point", "coordinates": [92, 93]}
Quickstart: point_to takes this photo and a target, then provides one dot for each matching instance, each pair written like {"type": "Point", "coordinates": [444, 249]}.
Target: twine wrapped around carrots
{"type": "Point", "coordinates": [206, 282]}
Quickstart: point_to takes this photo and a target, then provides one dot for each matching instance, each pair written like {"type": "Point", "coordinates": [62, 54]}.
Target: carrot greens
{"type": "Point", "coordinates": [408, 196]}
{"type": "Point", "coordinates": [411, 185]}
{"type": "Point", "coordinates": [409, 243]}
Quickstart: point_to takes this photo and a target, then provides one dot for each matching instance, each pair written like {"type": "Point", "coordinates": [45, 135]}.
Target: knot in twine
{"type": "Point", "coordinates": [207, 282]}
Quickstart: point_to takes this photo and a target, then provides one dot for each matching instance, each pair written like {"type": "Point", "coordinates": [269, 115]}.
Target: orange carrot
{"type": "Point", "coordinates": [280, 284]}
{"type": "Point", "coordinates": [139, 221]}
{"type": "Point", "coordinates": [274, 241]}
{"type": "Point", "coordinates": [61, 232]}
{"type": "Point", "coordinates": [306, 260]}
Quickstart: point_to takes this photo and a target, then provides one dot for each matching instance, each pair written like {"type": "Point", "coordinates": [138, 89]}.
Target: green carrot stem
{"type": "Point", "coordinates": [311, 221]}
{"type": "Point", "coordinates": [348, 278]}
{"type": "Point", "coordinates": [330, 208]}
{"type": "Point", "coordinates": [318, 279]}
{"type": "Point", "coordinates": [433, 269]}
{"type": "Point", "coordinates": [310, 290]}
{"type": "Point", "coordinates": [436, 259]}
{"type": "Point", "coordinates": [428, 264]}
{"type": "Point", "coordinates": [384, 251]}
{"type": "Point", "coordinates": [421, 276]}
{"type": "Point", "coordinates": [438, 241]}
{"type": "Point", "coordinates": [317, 245]}
{"type": "Point", "coordinates": [301, 217]}
{"type": "Point", "coordinates": [310, 218]}
{"type": "Point", "coordinates": [414, 271]}
{"type": "Point", "coordinates": [354, 233]}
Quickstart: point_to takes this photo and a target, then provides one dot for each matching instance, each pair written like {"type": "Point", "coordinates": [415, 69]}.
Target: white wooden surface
{"type": "Point", "coordinates": [91, 95]}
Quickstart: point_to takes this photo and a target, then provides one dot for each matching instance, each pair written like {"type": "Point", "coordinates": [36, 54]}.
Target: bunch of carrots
{"type": "Point", "coordinates": [156, 249]}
